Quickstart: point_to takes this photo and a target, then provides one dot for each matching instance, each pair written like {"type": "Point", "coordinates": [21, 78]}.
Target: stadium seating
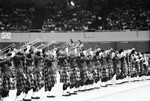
{"type": "Point", "coordinates": [129, 15]}
{"type": "Point", "coordinates": [16, 16]}
{"type": "Point", "coordinates": [95, 15]}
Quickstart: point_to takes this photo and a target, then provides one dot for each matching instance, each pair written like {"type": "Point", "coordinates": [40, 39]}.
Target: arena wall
{"type": "Point", "coordinates": [117, 40]}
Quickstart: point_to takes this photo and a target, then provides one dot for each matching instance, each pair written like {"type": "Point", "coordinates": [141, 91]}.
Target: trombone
{"type": "Point", "coordinates": [64, 45]}
{"type": "Point", "coordinates": [9, 46]}
{"type": "Point", "coordinates": [32, 43]}
{"type": "Point", "coordinates": [6, 51]}
{"type": "Point", "coordinates": [42, 46]}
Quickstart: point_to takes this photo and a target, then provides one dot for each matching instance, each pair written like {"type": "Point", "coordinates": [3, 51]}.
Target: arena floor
{"type": "Point", "coordinates": [133, 91]}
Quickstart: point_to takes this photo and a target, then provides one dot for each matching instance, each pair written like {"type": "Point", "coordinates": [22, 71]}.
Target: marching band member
{"type": "Point", "coordinates": [38, 73]}
{"type": "Point", "coordinates": [74, 74]}
{"type": "Point", "coordinates": [133, 67]}
{"type": "Point", "coordinates": [137, 67]}
{"type": "Point", "coordinates": [1, 76]}
{"type": "Point", "coordinates": [148, 62]}
{"type": "Point", "coordinates": [96, 70]}
{"type": "Point", "coordinates": [90, 69]}
{"type": "Point", "coordinates": [49, 74]}
{"type": "Point", "coordinates": [130, 62]}
{"type": "Point", "coordinates": [29, 68]}
{"type": "Point", "coordinates": [83, 71]}
{"type": "Point", "coordinates": [7, 77]}
{"type": "Point", "coordinates": [114, 60]}
{"type": "Point", "coordinates": [119, 67]}
{"type": "Point", "coordinates": [144, 67]}
{"type": "Point", "coordinates": [110, 65]}
{"type": "Point", "coordinates": [104, 69]}
{"type": "Point", "coordinates": [78, 69]}
{"type": "Point", "coordinates": [64, 71]}
{"type": "Point", "coordinates": [124, 66]}
{"type": "Point", "coordinates": [21, 78]}
{"type": "Point", "coordinates": [1, 81]}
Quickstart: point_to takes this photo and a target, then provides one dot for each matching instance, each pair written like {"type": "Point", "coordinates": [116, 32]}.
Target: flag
{"type": "Point", "coordinates": [6, 35]}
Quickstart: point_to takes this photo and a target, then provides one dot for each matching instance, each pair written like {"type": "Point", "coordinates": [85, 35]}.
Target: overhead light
{"type": "Point", "coordinates": [72, 3]}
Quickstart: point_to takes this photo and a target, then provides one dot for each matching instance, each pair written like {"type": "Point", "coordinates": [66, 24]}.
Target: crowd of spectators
{"type": "Point", "coordinates": [16, 16]}
{"type": "Point", "coordinates": [129, 15]}
{"type": "Point", "coordinates": [94, 14]}
{"type": "Point", "coordinates": [66, 18]}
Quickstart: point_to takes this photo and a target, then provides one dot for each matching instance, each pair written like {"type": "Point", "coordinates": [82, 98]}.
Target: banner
{"type": "Point", "coordinates": [5, 35]}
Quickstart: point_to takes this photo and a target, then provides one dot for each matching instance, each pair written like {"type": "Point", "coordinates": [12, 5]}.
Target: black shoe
{"type": "Point", "coordinates": [71, 93]}
{"type": "Point", "coordinates": [51, 96]}
{"type": "Point", "coordinates": [96, 87]}
{"type": "Point", "coordinates": [67, 94]}
{"type": "Point", "coordinates": [91, 88]}
{"type": "Point", "coordinates": [104, 86]}
{"type": "Point", "coordinates": [83, 90]}
{"type": "Point", "coordinates": [35, 97]}
{"type": "Point", "coordinates": [118, 83]}
{"type": "Point", "coordinates": [74, 93]}
{"type": "Point", "coordinates": [109, 84]}
{"type": "Point", "coordinates": [88, 89]}
{"type": "Point", "coordinates": [26, 99]}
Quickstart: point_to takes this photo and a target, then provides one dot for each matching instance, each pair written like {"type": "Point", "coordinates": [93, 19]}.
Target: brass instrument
{"type": "Point", "coordinates": [64, 45]}
{"type": "Point", "coordinates": [47, 44]}
{"type": "Point", "coordinates": [8, 47]}
{"type": "Point", "coordinates": [32, 43]}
